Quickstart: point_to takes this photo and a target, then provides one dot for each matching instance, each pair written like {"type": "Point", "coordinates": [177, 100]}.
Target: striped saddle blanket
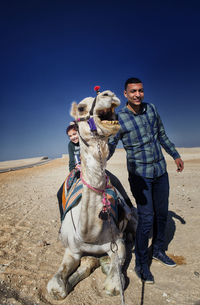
{"type": "Point", "coordinates": [71, 196]}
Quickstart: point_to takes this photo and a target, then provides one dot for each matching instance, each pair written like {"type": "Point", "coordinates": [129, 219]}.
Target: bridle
{"type": "Point", "coordinates": [89, 118]}
{"type": "Point", "coordinates": [93, 129]}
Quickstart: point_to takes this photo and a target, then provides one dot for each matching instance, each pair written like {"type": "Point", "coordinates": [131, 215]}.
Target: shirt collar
{"type": "Point", "coordinates": [143, 107]}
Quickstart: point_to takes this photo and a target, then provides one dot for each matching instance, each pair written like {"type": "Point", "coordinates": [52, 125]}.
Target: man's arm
{"type": "Point", "coordinates": [112, 144]}
{"type": "Point", "coordinates": [168, 146]}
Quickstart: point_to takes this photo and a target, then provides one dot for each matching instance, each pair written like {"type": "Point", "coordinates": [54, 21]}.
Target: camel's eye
{"type": "Point", "coordinates": [105, 94]}
{"type": "Point", "coordinates": [81, 108]}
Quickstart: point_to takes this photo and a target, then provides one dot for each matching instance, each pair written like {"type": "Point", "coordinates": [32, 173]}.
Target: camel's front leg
{"type": "Point", "coordinates": [58, 286]}
{"type": "Point", "coordinates": [115, 278]}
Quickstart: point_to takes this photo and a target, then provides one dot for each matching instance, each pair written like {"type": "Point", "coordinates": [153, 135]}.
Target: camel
{"type": "Point", "coordinates": [83, 229]}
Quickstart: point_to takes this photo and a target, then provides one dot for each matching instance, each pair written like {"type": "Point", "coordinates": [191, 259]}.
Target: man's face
{"type": "Point", "coordinates": [134, 94]}
{"type": "Point", "coordinates": [73, 136]}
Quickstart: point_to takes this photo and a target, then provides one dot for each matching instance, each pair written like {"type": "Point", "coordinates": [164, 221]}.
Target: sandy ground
{"type": "Point", "coordinates": [30, 251]}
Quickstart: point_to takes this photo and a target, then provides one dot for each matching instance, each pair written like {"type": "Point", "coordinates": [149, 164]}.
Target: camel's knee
{"type": "Point", "coordinates": [105, 264]}
{"type": "Point", "coordinates": [69, 264]}
{"type": "Point", "coordinates": [59, 287]}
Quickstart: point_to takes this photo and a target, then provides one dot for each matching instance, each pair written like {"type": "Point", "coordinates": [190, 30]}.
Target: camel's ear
{"type": "Point", "coordinates": [74, 110]}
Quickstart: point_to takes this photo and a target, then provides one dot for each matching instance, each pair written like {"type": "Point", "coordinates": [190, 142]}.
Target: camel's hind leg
{"type": "Point", "coordinates": [115, 278]}
{"type": "Point", "coordinates": [59, 286]}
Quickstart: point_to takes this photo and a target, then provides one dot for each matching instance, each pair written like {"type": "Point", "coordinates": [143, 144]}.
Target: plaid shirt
{"type": "Point", "coordinates": [142, 136]}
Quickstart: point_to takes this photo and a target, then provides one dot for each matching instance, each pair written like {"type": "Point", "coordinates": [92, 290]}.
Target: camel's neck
{"type": "Point", "coordinates": [94, 176]}
{"type": "Point", "coordinates": [93, 163]}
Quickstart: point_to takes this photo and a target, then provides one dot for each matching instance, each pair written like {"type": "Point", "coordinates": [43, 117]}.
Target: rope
{"type": "Point", "coordinates": [120, 279]}
{"type": "Point", "coordinates": [114, 249]}
{"type": "Point", "coordinates": [113, 244]}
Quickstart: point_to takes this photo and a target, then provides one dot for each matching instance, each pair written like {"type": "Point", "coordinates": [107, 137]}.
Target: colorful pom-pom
{"type": "Point", "coordinates": [96, 88]}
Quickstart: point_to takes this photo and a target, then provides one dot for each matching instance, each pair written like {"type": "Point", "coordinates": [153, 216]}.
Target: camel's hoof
{"type": "Point", "coordinates": [112, 293]}
{"type": "Point", "coordinates": [111, 289]}
{"type": "Point", "coordinates": [56, 288]}
{"type": "Point", "coordinates": [112, 286]}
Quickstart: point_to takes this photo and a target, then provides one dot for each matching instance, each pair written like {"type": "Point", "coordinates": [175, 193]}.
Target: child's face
{"type": "Point", "coordinates": [73, 136]}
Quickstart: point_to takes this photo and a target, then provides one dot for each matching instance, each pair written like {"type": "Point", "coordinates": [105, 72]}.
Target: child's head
{"type": "Point", "coordinates": [72, 132]}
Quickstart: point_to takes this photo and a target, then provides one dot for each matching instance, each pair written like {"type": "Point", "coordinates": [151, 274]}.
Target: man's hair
{"type": "Point", "coordinates": [71, 126]}
{"type": "Point", "coordinates": [132, 80]}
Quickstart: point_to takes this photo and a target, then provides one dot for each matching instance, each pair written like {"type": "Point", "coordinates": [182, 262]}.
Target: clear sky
{"type": "Point", "coordinates": [54, 52]}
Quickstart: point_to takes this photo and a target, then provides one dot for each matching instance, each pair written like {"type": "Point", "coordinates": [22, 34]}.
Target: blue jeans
{"type": "Point", "coordinates": [151, 195]}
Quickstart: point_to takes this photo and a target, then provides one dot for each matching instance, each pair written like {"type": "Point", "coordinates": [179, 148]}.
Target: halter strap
{"type": "Point", "coordinates": [101, 191]}
{"type": "Point", "coordinates": [90, 121]}
{"type": "Point", "coordinates": [93, 105]}
{"type": "Point", "coordinates": [106, 203]}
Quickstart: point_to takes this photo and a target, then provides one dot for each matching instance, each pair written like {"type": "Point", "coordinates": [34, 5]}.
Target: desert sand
{"type": "Point", "coordinates": [30, 251]}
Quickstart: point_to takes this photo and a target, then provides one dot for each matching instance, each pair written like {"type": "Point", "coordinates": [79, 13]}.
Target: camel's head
{"type": "Point", "coordinates": [99, 112]}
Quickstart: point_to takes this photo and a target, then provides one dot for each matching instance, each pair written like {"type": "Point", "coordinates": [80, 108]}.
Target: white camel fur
{"type": "Point", "coordinates": [89, 233]}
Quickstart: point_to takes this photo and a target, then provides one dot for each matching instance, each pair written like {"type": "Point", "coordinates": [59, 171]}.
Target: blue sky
{"type": "Point", "coordinates": [54, 52]}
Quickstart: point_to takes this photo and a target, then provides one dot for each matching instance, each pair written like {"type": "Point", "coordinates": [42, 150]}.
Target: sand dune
{"type": "Point", "coordinates": [30, 251]}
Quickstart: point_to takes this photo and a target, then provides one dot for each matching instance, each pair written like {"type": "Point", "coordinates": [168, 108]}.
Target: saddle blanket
{"type": "Point", "coordinates": [72, 177]}
{"type": "Point", "coordinates": [71, 196]}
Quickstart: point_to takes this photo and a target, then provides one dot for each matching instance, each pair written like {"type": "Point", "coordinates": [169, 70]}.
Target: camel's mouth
{"type": "Point", "coordinates": [108, 116]}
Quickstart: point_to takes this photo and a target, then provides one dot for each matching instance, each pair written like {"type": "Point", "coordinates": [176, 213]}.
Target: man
{"type": "Point", "coordinates": [142, 134]}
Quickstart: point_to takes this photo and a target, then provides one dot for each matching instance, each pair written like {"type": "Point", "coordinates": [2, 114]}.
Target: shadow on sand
{"type": "Point", "coordinates": [170, 232]}
{"type": "Point", "coordinates": [171, 227]}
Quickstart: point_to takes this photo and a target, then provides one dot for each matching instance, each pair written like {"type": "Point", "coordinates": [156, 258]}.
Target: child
{"type": "Point", "coordinates": [73, 146]}
{"type": "Point", "coordinates": [74, 157]}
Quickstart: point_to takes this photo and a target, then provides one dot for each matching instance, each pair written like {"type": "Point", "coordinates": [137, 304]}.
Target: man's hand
{"type": "Point", "coordinates": [180, 164]}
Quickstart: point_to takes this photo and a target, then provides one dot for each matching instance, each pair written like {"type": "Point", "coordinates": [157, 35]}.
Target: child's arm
{"type": "Point", "coordinates": [71, 156]}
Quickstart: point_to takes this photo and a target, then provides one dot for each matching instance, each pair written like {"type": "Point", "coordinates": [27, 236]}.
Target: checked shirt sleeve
{"type": "Point", "coordinates": [112, 144]}
{"type": "Point", "coordinates": [168, 146]}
